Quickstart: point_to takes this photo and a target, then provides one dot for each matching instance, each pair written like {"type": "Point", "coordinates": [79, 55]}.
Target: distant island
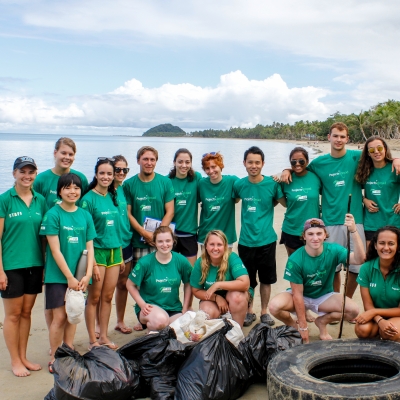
{"type": "Point", "coordinates": [165, 130]}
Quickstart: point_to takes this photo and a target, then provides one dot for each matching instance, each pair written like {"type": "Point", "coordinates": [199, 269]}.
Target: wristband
{"type": "Point", "coordinates": [380, 320]}
{"type": "Point", "coordinates": [302, 329]}
{"type": "Point", "coordinates": [353, 231]}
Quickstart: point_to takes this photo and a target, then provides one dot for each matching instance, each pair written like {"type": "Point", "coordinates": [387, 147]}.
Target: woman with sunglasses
{"type": "Point", "coordinates": [379, 280]}
{"type": "Point", "coordinates": [21, 261]}
{"type": "Point", "coordinates": [302, 200]}
{"type": "Point", "coordinates": [102, 203]}
{"type": "Point", "coordinates": [185, 182]}
{"type": "Point", "coordinates": [217, 204]}
{"type": "Point", "coordinates": [121, 293]}
{"type": "Point", "coordinates": [381, 187]}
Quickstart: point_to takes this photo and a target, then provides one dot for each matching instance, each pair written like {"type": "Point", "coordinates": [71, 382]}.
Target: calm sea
{"type": "Point", "coordinates": [40, 147]}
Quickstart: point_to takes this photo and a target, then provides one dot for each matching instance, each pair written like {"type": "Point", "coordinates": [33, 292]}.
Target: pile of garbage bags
{"type": "Point", "coordinates": [162, 367]}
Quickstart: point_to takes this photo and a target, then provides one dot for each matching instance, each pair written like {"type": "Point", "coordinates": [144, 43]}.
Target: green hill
{"type": "Point", "coordinates": [165, 130]}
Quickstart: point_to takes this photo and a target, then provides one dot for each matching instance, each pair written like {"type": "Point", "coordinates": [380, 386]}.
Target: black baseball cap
{"type": "Point", "coordinates": [23, 161]}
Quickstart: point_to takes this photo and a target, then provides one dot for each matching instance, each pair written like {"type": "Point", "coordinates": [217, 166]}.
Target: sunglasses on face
{"type": "Point", "coordinates": [294, 162]}
{"type": "Point", "coordinates": [106, 159]}
{"type": "Point", "coordinates": [211, 153]}
{"type": "Point", "coordinates": [372, 149]}
{"type": "Point", "coordinates": [124, 170]}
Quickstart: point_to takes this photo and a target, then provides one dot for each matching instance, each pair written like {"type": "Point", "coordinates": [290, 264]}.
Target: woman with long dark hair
{"type": "Point", "coordinates": [21, 261]}
{"type": "Point", "coordinates": [379, 281]}
{"type": "Point", "coordinates": [185, 182]}
{"type": "Point", "coordinates": [101, 202]}
{"type": "Point", "coordinates": [381, 186]}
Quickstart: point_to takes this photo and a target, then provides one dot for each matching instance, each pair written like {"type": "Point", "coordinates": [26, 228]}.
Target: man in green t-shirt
{"type": "Point", "coordinates": [257, 242]}
{"type": "Point", "coordinates": [148, 194]}
{"type": "Point", "coordinates": [311, 271]}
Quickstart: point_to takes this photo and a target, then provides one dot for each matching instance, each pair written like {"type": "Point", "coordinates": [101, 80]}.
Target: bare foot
{"type": "Point", "coordinates": [323, 330]}
{"type": "Point", "coordinates": [20, 370]}
{"type": "Point", "coordinates": [31, 366]}
{"type": "Point", "coordinates": [138, 327]}
{"type": "Point", "coordinates": [93, 344]}
{"type": "Point", "coordinates": [121, 327]}
{"type": "Point", "coordinates": [309, 317]}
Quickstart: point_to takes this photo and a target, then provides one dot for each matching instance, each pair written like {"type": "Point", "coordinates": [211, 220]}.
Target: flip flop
{"type": "Point", "coordinates": [125, 331]}
{"type": "Point", "coordinates": [50, 367]}
{"type": "Point", "coordinates": [110, 345]}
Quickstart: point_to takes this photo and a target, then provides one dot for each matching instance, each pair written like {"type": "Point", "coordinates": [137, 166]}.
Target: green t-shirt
{"type": "Point", "coordinates": [186, 204]}
{"type": "Point", "coordinates": [21, 245]}
{"type": "Point", "coordinates": [385, 293]}
{"type": "Point", "coordinates": [382, 187]}
{"type": "Point", "coordinates": [337, 176]}
{"type": "Point", "coordinates": [74, 230]}
{"type": "Point", "coordinates": [302, 200]}
{"type": "Point", "coordinates": [316, 274]}
{"type": "Point", "coordinates": [106, 220]}
{"type": "Point", "coordinates": [257, 210]}
{"type": "Point", "coordinates": [126, 232]}
{"type": "Point", "coordinates": [159, 283]}
{"type": "Point", "coordinates": [147, 199]}
{"type": "Point", "coordinates": [46, 184]}
{"type": "Point", "coordinates": [217, 207]}
{"type": "Point", "coordinates": [235, 269]}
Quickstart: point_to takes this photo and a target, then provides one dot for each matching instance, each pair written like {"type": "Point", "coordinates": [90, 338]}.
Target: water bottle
{"type": "Point", "coordinates": [82, 266]}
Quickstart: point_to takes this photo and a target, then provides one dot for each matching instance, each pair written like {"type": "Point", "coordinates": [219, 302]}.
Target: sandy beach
{"type": "Point", "coordinates": [39, 383]}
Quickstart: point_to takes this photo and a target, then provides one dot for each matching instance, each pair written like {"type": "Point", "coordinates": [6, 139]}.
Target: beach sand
{"type": "Point", "coordinates": [39, 383]}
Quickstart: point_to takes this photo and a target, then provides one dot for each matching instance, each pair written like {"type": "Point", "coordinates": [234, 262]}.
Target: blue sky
{"type": "Point", "coordinates": [124, 66]}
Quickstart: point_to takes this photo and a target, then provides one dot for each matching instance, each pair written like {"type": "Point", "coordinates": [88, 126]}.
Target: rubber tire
{"type": "Point", "coordinates": [288, 377]}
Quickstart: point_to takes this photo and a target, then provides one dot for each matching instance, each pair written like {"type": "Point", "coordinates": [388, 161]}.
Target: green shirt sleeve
{"type": "Point", "coordinates": [50, 225]}
{"type": "Point", "coordinates": [236, 266]}
{"type": "Point", "coordinates": [278, 191]}
{"type": "Point", "coordinates": [169, 189]}
{"type": "Point", "coordinates": [196, 275]}
{"type": "Point", "coordinates": [3, 207]}
{"type": "Point", "coordinates": [127, 192]}
{"type": "Point", "coordinates": [363, 278]}
{"type": "Point", "coordinates": [138, 274]}
{"type": "Point", "coordinates": [293, 273]}
{"type": "Point", "coordinates": [185, 269]}
{"type": "Point", "coordinates": [236, 190]}
{"type": "Point", "coordinates": [90, 231]}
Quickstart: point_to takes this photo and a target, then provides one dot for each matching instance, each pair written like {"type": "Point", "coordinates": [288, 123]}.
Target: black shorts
{"type": "Point", "coordinates": [23, 281]}
{"type": "Point", "coordinates": [55, 295]}
{"type": "Point", "coordinates": [369, 235]}
{"type": "Point", "coordinates": [170, 314]}
{"type": "Point", "coordinates": [261, 259]}
{"type": "Point", "coordinates": [127, 254]}
{"type": "Point", "coordinates": [187, 246]}
{"type": "Point", "coordinates": [292, 241]}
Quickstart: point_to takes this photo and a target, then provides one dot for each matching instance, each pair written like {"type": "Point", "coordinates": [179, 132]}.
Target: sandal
{"type": "Point", "coordinates": [125, 331]}
{"type": "Point", "coordinates": [249, 319]}
{"type": "Point", "coordinates": [110, 345]}
{"type": "Point", "coordinates": [50, 367]}
{"type": "Point", "coordinates": [267, 319]}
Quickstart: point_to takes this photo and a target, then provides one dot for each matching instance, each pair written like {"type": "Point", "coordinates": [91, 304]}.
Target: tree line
{"type": "Point", "coordinates": [382, 120]}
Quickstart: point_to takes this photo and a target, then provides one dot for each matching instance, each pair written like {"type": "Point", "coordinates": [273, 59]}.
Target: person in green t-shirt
{"type": "Point", "coordinates": [121, 293]}
{"type": "Point", "coordinates": [220, 280]}
{"type": "Point", "coordinates": [381, 186]}
{"type": "Point", "coordinates": [310, 271]}
{"type": "Point", "coordinates": [185, 182]}
{"type": "Point", "coordinates": [302, 200]}
{"type": "Point", "coordinates": [102, 203]}
{"type": "Point", "coordinates": [21, 261]}
{"type": "Point", "coordinates": [64, 157]}
{"type": "Point", "coordinates": [379, 280]}
{"type": "Point", "coordinates": [257, 241]}
{"type": "Point", "coordinates": [69, 230]}
{"type": "Point", "coordinates": [155, 281]}
{"type": "Point", "coordinates": [217, 204]}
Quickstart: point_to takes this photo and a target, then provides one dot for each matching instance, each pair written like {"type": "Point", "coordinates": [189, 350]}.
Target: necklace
{"type": "Point", "coordinates": [100, 192]}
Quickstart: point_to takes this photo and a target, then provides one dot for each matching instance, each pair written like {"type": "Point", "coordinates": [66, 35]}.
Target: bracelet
{"type": "Point", "coordinates": [353, 231]}
{"type": "Point", "coordinates": [380, 320]}
{"type": "Point", "coordinates": [302, 329]}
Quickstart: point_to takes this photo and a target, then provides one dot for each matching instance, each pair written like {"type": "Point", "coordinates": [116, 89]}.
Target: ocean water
{"type": "Point", "coordinates": [40, 147]}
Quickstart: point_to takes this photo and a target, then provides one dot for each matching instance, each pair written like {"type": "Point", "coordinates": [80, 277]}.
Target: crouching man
{"type": "Point", "coordinates": [311, 272]}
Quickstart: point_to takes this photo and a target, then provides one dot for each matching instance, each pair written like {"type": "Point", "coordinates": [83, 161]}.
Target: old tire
{"type": "Point", "coordinates": [375, 362]}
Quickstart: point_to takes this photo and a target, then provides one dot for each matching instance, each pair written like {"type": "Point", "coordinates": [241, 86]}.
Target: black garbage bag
{"type": "Point", "coordinates": [213, 370]}
{"type": "Point", "coordinates": [262, 343]}
{"type": "Point", "coordinates": [100, 374]}
{"type": "Point", "coordinates": [50, 395]}
{"type": "Point", "coordinates": [159, 367]}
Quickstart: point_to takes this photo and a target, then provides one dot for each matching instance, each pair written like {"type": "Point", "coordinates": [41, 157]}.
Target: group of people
{"type": "Point", "coordinates": [59, 213]}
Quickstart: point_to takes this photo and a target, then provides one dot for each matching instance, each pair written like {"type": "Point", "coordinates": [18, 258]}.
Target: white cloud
{"type": "Point", "coordinates": [235, 101]}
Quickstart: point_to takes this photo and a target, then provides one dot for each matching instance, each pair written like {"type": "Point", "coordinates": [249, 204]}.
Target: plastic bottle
{"type": "Point", "coordinates": [82, 266]}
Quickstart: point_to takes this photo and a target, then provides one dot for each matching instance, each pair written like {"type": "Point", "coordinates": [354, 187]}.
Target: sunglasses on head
{"type": "Point", "coordinates": [372, 149]}
{"type": "Point", "coordinates": [106, 159]}
{"type": "Point", "coordinates": [301, 162]}
{"type": "Point", "coordinates": [124, 170]}
{"type": "Point", "coordinates": [211, 153]}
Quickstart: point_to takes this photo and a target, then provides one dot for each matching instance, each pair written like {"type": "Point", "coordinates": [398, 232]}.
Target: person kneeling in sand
{"type": "Point", "coordinates": [311, 271]}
